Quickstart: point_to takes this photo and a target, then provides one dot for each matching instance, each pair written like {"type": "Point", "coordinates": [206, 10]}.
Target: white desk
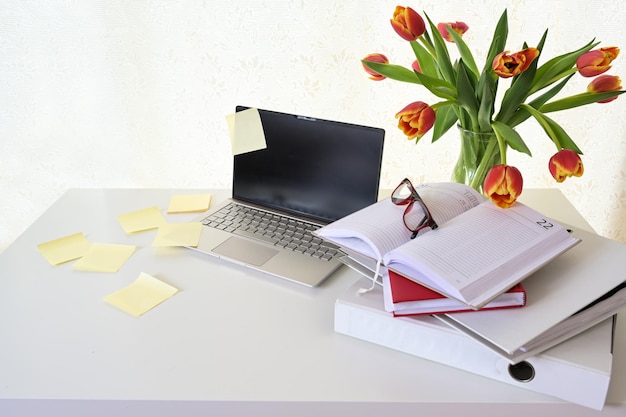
{"type": "Point", "coordinates": [231, 342]}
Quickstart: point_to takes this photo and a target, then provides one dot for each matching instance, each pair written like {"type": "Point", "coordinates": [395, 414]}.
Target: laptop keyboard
{"type": "Point", "coordinates": [272, 228]}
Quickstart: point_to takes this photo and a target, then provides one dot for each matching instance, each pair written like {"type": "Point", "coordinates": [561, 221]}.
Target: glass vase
{"type": "Point", "coordinates": [479, 152]}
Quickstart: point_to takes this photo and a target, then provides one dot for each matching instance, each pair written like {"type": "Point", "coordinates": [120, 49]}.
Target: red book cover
{"type": "Point", "coordinates": [405, 297]}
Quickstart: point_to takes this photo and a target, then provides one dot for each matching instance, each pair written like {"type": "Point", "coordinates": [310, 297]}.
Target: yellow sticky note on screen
{"type": "Point", "coordinates": [178, 234]}
{"type": "Point", "coordinates": [64, 249]}
{"type": "Point", "coordinates": [192, 203]}
{"type": "Point", "coordinates": [104, 257]}
{"type": "Point", "coordinates": [140, 220]}
{"type": "Point", "coordinates": [246, 131]}
{"type": "Point", "coordinates": [142, 295]}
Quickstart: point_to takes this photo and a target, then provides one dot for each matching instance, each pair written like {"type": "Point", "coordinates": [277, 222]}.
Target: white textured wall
{"type": "Point", "coordinates": [134, 93]}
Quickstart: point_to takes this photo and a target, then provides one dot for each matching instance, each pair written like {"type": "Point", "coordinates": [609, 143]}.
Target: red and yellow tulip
{"type": "Point", "coordinates": [565, 163]}
{"type": "Point", "coordinates": [505, 65]}
{"type": "Point", "coordinates": [503, 185]}
{"type": "Point", "coordinates": [603, 84]}
{"type": "Point", "coordinates": [380, 58]}
{"type": "Point", "coordinates": [408, 23]}
{"type": "Point", "coordinates": [416, 119]}
{"type": "Point", "coordinates": [458, 27]}
{"type": "Point", "coordinates": [596, 62]}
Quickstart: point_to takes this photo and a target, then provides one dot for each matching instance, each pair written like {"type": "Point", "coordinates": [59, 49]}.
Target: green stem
{"type": "Point", "coordinates": [484, 165]}
{"type": "Point", "coordinates": [502, 146]}
{"type": "Point", "coordinates": [428, 46]}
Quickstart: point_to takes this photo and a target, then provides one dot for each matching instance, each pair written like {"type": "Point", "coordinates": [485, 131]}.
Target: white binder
{"type": "Point", "coordinates": [590, 273]}
{"type": "Point", "coordinates": [577, 370]}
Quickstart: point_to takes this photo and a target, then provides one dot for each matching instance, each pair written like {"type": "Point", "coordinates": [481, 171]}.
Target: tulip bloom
{"type": "Point", "coordinates": [407, 23]}
{"type": "Point", "coordinates": [565, 163]}
{"type": "Point", "coordinates": [603, 84]}
{"type": "Point", "coordinates": [458, 27]}
{"type": "Point", "coordinates": [505, 65]}
{"type": "Point", "coordinates": [416, 119]}
{"type": "Point", "coordinates": [596, 62]}
{"type": "Point", "coordinates": [503, 185]}
{"type": "Point", "coordinates": [416, 66]}
{"type": "Point", "coordinates": [380, 58]}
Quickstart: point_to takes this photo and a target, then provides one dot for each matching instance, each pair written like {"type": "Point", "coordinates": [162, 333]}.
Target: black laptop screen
{"type": "Point", "coordinates": [316, 168]}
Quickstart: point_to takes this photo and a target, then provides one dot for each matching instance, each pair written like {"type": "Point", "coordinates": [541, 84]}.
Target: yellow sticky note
{"type": "Point", "coordinates": [104, 257]}
{"type": "Point", "coordinates": [178, 234]}
{"type": "Point", "coordinates": [246, 131]}
{"type": "Point", "coordinates": [142, 295]}
{"type": "Point", "coordinates": [64, 249]}
{"type": "Point", "coordinates": [140, 220]}
{"type": "Point", "coordinates": [189, 203]}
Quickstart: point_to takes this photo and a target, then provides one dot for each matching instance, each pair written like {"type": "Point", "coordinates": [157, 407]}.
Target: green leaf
{"type": "Point", "coordinates": [437, 86]}
{"type": "Point", "coordinates": [511, 137]}
{"type": "Point", "coordinates": [554, 131]}
{"type": "Point", "coordinates": [442, 55]}
{"type": "Point", "coordinates": [498, 42]}
{"type": "Point", "coordinates": [395, 72]}
{"type": "Point", "coordinates": [558, 67]}
{"type": "Point", "coordinates": [445, 119]}
{"type": "Point", "coordinates": [488, 81]}
{"type": "Point", "coordinates": [464, 51]}
{"type": "Point", "coordinates": [485, 111]}
{"type": "Point", "coordinates": [465, 92]}
{"type": "Point", "coordinates": [425, 59]}
{"type": "Point", "coordinates": [578, 100]}
{"type": "Point", "coordinates": [521, 114]}
{"type": "Point", "coordinates": [543, 99]}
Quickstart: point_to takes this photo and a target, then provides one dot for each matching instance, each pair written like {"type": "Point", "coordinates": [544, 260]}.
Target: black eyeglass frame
{"type": "Point", "coordinates": [410, 200]}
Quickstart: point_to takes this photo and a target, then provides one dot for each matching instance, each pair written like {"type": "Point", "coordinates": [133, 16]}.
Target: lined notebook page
{"type": "Point", "coordinates": [472, 244]}
{"type": "Point", "coordinates": [379, 228]}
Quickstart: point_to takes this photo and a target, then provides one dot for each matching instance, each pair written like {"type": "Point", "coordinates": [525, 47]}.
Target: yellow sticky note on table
{"type": "Point", "coordinates": [192, 203]}
{"type": "Point", "coordinates": [142, 295]}
{"type": "Point", "coordinates": [246, 131]}
{"type": "Point", "coordinates": [140, 220]}
{"type": "Point", "coordinates": [64, 249]}
{"type": "Point", "coordinates": [178, 234]}
{"type": "Point", "coordinates": [104, 257]}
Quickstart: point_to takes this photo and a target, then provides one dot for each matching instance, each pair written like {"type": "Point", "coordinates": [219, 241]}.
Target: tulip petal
{"type": "Point", "coordinates": [596, 62]}
{"type": "Point", "coordinates": [416, 119]}
{"type": "Point", "coordinates": [458, 27]}
{"type": "Point", "coordinates": [503, 185]}
{"type": "Point", "coordinates": [604, 84]}
{"type": "Point", "coordinates": [407, 23]}
{"type": "Point", "coordinates": [379, 58]}
{"type": "Point", "coordinates": [506, 66]}
{"type": "Point", "coordinates": [565, 163]}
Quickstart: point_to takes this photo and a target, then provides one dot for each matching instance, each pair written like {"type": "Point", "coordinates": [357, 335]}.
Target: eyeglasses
{"type": "Point", "coordinates": [414, 220]}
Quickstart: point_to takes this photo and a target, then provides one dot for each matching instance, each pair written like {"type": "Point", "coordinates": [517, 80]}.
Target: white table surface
{"type": "Point", "coordinates": [231, 342]}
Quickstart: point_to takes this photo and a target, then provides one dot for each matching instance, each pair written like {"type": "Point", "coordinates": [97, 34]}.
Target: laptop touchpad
{"type": "Point", "coordinates": [245, 251]}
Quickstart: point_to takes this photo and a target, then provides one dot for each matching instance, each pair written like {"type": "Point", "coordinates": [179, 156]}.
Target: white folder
{"type": "Point", "coordinates": [577, 370]}
{"type": "Point", "coordinates": [592, 271]}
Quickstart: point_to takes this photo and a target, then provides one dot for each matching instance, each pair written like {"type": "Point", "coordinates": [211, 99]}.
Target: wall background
{"type": "Point", "coordinates": [135, 93]}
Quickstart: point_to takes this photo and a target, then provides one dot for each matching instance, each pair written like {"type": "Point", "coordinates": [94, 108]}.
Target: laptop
{"type": "Point", "coordinates": [311, 173]}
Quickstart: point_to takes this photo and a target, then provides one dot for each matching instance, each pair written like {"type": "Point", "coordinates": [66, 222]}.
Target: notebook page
{"type": "Point", "coordinates": [471, 245]}
{"type": "Point", "coordinates": [379, 228]}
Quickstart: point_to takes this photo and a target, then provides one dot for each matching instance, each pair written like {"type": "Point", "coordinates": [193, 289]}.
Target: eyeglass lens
{"type": "Point", "coordinates": [415, 215]}
{"type": "Point", "coordinates": [403, 193]}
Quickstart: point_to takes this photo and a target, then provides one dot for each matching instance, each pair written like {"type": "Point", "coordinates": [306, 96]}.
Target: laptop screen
{"type": "Point", "coordinates": [311, 167]}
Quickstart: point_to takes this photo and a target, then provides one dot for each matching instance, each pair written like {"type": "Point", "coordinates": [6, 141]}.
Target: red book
{"type": "Point", "coordinates": [404, 297]}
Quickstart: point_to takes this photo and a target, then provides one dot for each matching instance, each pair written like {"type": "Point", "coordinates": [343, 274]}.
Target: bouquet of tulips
{"type": "Point", "coordinates": [468, 95]}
